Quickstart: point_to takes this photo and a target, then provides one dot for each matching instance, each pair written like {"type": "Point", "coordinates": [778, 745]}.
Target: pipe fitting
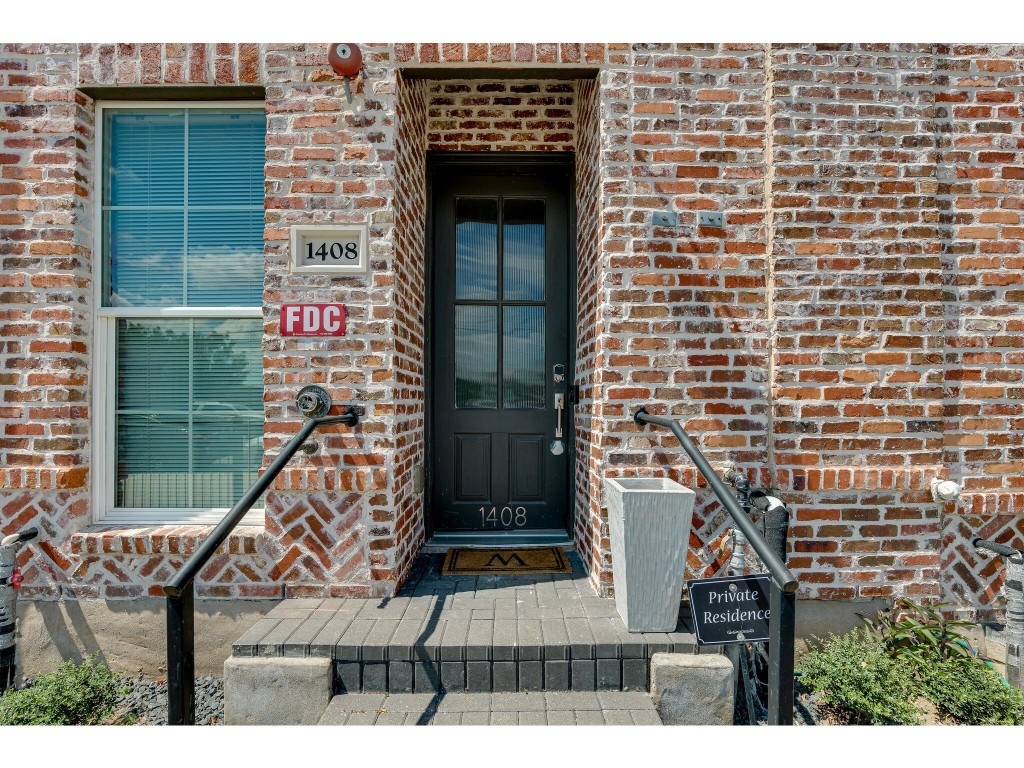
{"type": "Point", "coordinates": [765, 501]}
{"type": "Point", "coordinates": [945, 490]}
{"type": "Point", "coordinates": [313, 401]}
{"type": "Point", "coordinates": [737, 480]}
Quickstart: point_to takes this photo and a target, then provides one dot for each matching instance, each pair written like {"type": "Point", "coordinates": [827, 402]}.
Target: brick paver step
{"type": "Point", "coordinates": [475, 634]}
{"type": "Point", "coordinates": [538, 708]}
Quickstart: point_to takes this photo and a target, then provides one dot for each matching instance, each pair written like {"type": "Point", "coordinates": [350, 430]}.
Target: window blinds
{"type": "Point", "coordinates": [183, 207]}
{"type": "Point", "coordinates": [189, 411]}
{"type": "Point", "coordinates": [183, 228]}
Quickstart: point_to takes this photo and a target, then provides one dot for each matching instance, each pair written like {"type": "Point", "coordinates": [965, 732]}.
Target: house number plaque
{"type": "Point", "coordinates": [328, 249]}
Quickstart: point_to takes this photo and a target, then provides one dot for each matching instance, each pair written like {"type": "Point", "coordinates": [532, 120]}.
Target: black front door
{"type": "Point", "coordinates": [501, 364]}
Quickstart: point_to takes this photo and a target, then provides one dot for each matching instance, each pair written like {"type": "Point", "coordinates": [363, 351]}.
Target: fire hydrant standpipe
{"type": "Point", "coordinates": [10, 582]}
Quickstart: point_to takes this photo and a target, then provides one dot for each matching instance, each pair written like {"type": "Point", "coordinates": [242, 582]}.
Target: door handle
{"type": "Point", "coordinates": [559, 407]}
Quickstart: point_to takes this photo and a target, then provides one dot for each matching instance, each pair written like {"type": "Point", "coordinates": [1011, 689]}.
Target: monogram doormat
{"type": "Point", "coordinates": [462, 561]}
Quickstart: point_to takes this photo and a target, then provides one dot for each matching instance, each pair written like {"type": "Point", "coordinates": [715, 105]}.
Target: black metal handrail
{"type": "Point", "coordinates": [782, 601]}
{"type": "Point", "coordinates": [180, 590]}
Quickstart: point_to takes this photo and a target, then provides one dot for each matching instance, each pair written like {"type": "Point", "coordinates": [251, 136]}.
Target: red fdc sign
{"type": "Point", "coordinates": [312, 319]}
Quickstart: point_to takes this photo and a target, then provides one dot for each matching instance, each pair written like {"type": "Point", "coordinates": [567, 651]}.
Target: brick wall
{"type": "Point", "coordinates": [857, 314]}
{"type": "Point", "coordinates": [980, 121]}
{"type": "Point", "coordinates": [45, 306]}
{"type": "Point", "coordinates": [893, 276]}
{"type": "Point", "coordinates": [852, 331]}
{"type": "Point", "coordinates": [328, 162]}
{"type": "Point", "coordinates": [501, 116]}
{"type": "Point", "coordinates": [410, 295]}
{"type": "Point", "coordinates": [168, 63]}
{"type": "Point", "coordinates": [589, 529]}
{"type": "Point", "coordinates": [683, 324]}
{"type": "Point", "coordinates": [46, 250]}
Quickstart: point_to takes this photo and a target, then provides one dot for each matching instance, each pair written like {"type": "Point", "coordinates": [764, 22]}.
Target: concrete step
{"type": "Point", "coordinates": [476, 634]}
{"type": "Point", "coordinates": [534, 708]}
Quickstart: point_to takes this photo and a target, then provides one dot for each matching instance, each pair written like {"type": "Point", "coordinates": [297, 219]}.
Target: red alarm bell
{"type": "Point", "coordinates": [345, 58]}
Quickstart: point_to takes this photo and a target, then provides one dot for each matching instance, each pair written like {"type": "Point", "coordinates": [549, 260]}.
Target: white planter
{"type": "Point", "coordinates": [650, 522]}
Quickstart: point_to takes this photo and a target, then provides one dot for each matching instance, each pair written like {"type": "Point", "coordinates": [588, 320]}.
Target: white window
{"type": "Point", "coordinates": [179, 280]}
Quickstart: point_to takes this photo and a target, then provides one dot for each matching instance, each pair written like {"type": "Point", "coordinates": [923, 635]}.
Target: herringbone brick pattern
{"type": "Point", "coordinates": [313, 546]}
{"type": "Point", "coordinates": [971, 579]}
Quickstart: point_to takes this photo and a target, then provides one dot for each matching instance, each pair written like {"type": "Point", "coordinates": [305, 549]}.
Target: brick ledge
{"type": "Point", "coordinates": [162, 540]}
{"type": "Point", "coordinates": [44, 478]}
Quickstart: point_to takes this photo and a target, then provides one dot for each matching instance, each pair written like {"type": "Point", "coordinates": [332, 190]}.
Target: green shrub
{"type": "Point", "coordinates": [75, 694]}
{"type": "Point", "coordinates": [871, 676]}
{"type": "Point", "coordinates": [860, 683]}
{"type": "Point", "coordinates": [971, 692]}
{"type": "Point", "coordinates": [918, 632]}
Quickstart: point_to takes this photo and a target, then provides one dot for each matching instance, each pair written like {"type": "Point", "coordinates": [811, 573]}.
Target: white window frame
{"type": "Point", "coordinates": [104, 459]}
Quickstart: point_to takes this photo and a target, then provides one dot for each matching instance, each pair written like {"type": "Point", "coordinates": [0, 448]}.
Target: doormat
{"type": "Point", "coordinates": [461, 561]}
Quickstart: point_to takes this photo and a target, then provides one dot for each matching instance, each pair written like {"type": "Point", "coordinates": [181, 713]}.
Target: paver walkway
{"type": "Point", "coordinates": [540, 708]}
{"type": "Point", "coordinates": [475, 634]}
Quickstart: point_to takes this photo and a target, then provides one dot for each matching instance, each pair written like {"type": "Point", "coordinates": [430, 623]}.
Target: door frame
{"type": "Point", "coordinates": [507, 163]}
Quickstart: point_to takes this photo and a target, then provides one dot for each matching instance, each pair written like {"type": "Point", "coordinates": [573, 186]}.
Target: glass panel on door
{"type": "Point", "coordinates": [523, 357]}
{"type": "Point", "coordinates": [476, 357]}
{"type": "Point", "coordinates": [476, 248]}
{"type": "Point", "coordinates": [523, 240]}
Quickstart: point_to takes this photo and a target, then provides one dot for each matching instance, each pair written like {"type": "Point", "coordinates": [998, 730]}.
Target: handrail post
{"type": "Point", "coordinates": [181, 658]}
{"type": "Point", "coordinates": [781, 639]}
{"type": "Point", "coordinates": [782, 597]}
{"type": "Point", "coordinates": [180, 590]}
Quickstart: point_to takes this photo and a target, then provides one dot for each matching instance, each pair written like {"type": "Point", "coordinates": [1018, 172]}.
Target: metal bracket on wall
{"type": "Point", "coordinates": [313, 402]}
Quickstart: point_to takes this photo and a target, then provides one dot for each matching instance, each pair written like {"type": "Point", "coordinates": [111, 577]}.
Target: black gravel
{"type": "Point", "coordinates": [146, 701]}
{"type": "Point", "coordinates": [806, 709]}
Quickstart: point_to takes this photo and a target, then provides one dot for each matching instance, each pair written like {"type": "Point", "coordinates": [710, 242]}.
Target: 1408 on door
{"type": "Point", "coordinates": [507, 517]}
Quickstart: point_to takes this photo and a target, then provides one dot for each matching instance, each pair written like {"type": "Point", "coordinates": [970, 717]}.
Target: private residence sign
{"type": "Point", "coordinates": [733, 609]}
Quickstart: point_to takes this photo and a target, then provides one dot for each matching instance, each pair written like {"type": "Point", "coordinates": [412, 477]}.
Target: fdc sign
{"type": "Point", "coordinates": [312, 319]}
{"type": "Point", "coordinates": [730, 610]}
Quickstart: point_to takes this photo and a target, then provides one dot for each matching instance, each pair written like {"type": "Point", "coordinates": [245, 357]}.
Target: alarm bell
{"type": "Point", "coordinates": [346, 60]}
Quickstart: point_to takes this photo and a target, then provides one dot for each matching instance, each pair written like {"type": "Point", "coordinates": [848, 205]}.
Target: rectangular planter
{"type": "Point", "coordinates": [650, 521]}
